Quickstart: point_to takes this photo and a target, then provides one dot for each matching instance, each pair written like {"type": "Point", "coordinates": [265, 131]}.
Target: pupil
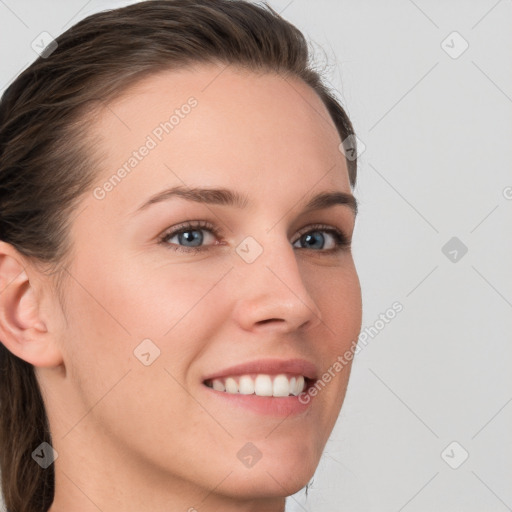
{"type": "Point", "coordinates": [309, 238]}
{"type": "Point", "coordinates": [192, 238]}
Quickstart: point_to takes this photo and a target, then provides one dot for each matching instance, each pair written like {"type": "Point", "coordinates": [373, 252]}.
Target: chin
{"type": "Point", "coordinates": [276, 483]}
{"type": "Point", "coordinates": [285, 467]}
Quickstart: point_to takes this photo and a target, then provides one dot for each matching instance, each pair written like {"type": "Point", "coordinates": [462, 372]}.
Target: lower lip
{"type": "Point", "coordinates": [268, 405]}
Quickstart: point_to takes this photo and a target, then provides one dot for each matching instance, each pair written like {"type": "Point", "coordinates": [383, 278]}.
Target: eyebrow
{"type": "Point", "coordinates": [228, 197]}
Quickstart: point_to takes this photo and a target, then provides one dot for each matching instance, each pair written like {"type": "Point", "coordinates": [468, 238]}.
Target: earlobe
{"type": "Point", "coordinates": [22, 330]}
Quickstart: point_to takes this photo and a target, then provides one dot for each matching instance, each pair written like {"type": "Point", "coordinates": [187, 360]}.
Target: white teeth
{"type": "Point", "coordinates": [281, 386]}
{"type": "Point", "coordinates": [231, 385]}
{"type": "Point", "coordinates": [261, 385]}
{"type": "Point", "coordinates": [246, 385]}
{"type": "Point", "coordinates": [218, 385]}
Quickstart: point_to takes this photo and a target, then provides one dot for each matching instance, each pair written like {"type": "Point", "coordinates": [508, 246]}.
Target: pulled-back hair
{"type": "Point", "coordinates": [47, 159]}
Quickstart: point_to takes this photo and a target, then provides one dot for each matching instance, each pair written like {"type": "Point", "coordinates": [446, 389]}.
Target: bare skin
{"type": "Point", "coordinates": [133, 437]}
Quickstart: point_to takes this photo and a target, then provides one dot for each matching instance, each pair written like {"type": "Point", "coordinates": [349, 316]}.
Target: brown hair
{"type": "Point", "coordinates": [46, 162]}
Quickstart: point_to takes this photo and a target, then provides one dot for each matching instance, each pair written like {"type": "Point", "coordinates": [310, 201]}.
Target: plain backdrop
{"type": "Point", "coordinates": [428, 85]}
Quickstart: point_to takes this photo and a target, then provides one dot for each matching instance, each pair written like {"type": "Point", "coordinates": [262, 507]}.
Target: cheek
{"type": "Point", "coordinates": [146, 297]}
{"type": "Point", "coordinates": [159, 298]}
{"type": "Point", "coordinates": [337, 292]}
{"type": "Point", "coordinates": [114, 311]}
{"type": "Point", "coordinates": [145, 407]}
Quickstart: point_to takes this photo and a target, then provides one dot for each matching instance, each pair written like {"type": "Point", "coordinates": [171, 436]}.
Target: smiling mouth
{"type": "Point", "coordinates": [280, 385]}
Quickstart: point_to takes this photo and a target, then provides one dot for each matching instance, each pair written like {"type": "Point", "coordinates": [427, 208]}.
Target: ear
{"type": "Point", "coordinates": [23, 331]}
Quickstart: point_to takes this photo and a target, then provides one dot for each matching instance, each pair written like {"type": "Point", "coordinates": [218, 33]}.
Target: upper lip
{"type": "Point", "coordinates": [270, 367]}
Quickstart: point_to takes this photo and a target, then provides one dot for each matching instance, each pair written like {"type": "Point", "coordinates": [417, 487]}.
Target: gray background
{"type": "Point", "coordinates": [437, 132]}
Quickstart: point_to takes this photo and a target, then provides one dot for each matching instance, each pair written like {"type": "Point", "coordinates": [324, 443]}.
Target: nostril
{"type": "Point", "coordinates": [270, 320]}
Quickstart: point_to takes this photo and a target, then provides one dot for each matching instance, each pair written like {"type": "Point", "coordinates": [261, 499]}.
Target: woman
{"type": "Point", "coordinates": [175, 264]}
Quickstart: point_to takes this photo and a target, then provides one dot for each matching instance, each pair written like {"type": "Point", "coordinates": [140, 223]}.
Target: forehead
{"type": "Point", "coordinates": [209, 122]}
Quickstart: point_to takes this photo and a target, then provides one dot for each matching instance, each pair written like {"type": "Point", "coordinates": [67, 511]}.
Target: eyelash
{"type": "Point", "coordinates": [342, 242]}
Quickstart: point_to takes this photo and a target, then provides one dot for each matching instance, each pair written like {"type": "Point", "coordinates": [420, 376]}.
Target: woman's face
{"type": "Point", "coordinates": [149, 320]}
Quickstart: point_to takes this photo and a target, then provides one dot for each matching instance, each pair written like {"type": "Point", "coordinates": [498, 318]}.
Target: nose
{"type": "Point", "coordinates": [271, 294]}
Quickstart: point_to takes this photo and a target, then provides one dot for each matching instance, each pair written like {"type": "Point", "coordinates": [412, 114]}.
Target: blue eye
{"type": "Point", "coordinates": [314, 238]}
{"type": "Point", "coordinates": [190, 238]}
{"type": "Point", "coordinates": [196, 239]}
{"type": "Point", "coordinates": [189, 233]}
